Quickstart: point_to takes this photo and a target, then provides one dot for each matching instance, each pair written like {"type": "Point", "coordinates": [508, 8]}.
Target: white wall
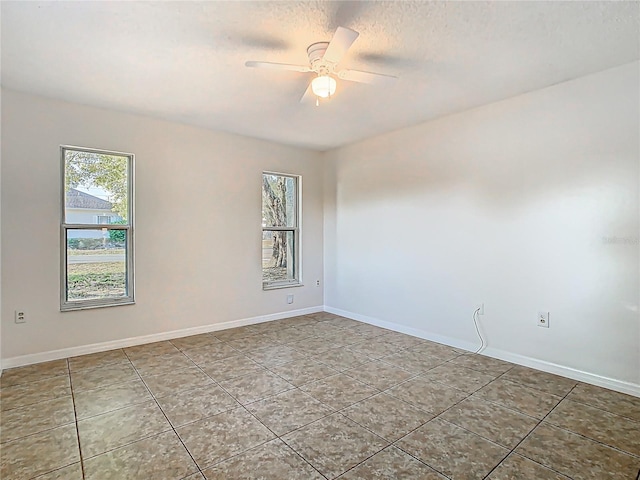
{"type": "Point", "coordinates": [198, 225]}
{"type": "Point", "coordinates": [507, 204]}
{"type": "Point", "coordinates": [1, 315]}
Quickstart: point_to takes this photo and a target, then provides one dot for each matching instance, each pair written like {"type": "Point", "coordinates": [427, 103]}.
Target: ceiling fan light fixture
{"type": "Point", "coordinates": [323, 86]}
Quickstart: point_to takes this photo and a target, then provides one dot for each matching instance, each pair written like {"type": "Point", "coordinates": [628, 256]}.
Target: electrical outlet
{"type": "Point", "coordinates": [289, 299]}
{"type": "Point", "coordinates": [20, 316]}
{"type": "Point", "coordinates": [543, 319]}
{"type": "Point", "coordinates": [317, 283]}
{"type": "Point", "coordinates": [479, 308]}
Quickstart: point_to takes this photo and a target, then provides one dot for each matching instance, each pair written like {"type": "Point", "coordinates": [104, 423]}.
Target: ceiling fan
{"type": "Point", "coordinates": [324, 57]}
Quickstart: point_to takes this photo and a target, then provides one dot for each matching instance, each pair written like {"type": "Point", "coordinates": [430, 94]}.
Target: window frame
{"type": "Point", "coordinates": [297, 234]}
{"type": "Point", "coordinates": [129, 299]}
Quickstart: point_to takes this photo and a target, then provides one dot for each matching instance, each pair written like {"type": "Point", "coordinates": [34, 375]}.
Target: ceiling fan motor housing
{"type": "Point", "coordinates": [316, 51]}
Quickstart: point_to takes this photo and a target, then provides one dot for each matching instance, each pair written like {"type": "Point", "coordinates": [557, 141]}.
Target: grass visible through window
{"type": "Point", "coordinates": [96, 279]}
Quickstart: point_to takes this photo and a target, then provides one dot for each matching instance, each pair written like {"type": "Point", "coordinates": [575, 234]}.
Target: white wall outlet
{"type": "Point", "coordinates": [543, 319]}
{"type": "Point", "coordinates": [479, 308]}
{"type": "Point", "coordinates": [317, 283]}
{"type": "Point", "coordinates": [289, 299]}
{"type": "Point", "coordinates": [20, 316]}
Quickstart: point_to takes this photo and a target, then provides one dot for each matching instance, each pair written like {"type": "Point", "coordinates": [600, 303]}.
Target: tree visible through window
{"type": "Point", "coordinates": [280, 203]}
{"type": "Point", "coordinates": [97, 235]}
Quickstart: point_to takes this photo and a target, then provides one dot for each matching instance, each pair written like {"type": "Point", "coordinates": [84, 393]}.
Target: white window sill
{"type": "Point", "coordinates": [69, 307]}
{"type": "Point", "coordinates": [277, 286]}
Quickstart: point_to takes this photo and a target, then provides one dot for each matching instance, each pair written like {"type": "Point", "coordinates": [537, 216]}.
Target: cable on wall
{"type": "Point", "coordinates": [475, 323]}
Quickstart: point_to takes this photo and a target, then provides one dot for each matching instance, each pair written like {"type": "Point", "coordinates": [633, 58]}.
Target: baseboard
{"type": "Point", "coordinates": [582, 376]}
{"type": "Point", "coordinates": [452, 342]}
{"type": "Point", "coordinates": [598, 380]}
{"type": "Point", "coordinates": [575, 374]}
{"type": "Point", "coordinates": [23, 360]}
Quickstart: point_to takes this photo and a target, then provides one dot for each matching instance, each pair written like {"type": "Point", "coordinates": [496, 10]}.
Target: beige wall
{"type": "Point", "coordinates": [198, 217]}
{"type": "Point", "coordinates": [516, 204]}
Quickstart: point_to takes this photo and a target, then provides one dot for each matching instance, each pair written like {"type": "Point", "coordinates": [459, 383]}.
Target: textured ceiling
{"type": "Point", "coordinates": [184, 61]}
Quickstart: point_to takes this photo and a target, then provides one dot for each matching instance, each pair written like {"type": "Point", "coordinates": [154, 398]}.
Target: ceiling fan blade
{"type": "Point", "coordinates": [367, 77]}
{"type": "Point", "coordinates": [278, 66]}
{"type": "Point", "coordinates": [340, 43]}
{"type": "Point", "coordinates": [309, 96]}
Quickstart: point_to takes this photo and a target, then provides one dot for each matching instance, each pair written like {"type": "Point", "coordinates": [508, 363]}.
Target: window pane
{"type": "Point", "coordinates": [278, 201]}
{"type": "Point", "coordinates": [277, 256]}
{"type": "Point", "coordinates": [96, 188]}
{"type": "Point", "coordinates": [96, 264]}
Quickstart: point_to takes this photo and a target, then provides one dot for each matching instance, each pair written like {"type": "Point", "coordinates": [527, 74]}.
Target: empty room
{"type": "Point", "coordinates": [277, 240]}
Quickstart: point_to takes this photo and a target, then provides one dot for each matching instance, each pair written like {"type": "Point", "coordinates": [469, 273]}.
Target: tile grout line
{"type": "Point", "coordinates": [418, 459]}
{"type": "Point", "coordinates": [58, 397]}
{"type": "Point", "coordinates": [260, 421]}
{"type": "Point", "coordinates": [293, 449]}
{"type": "Point", "coordinates": [23, 385]}
{"type": "Point", "coordinates": [217, 383]}
{"type": "Point", "coordinates": [68, 375]}
{"type": "Point", "coordinates": [340, 411]}
{"type": "Point", "coordinates": [583, 402]}
{"type": "Point", "coordinates": [458, 426]}
{"type": "Point", "coordinates": [431, 419]}
{"type": "Point", "coordinates": [391, 443]}
{"type": "Point", "coordinates": [469, 395]}
{"type": "Point", "coordinates": [122, 408]}
{"type": "Point", "coordinates": [566, 397]}
{"type": "Point", "coordinates": [595, 440]}
{"type": "Point", "coordinates": [388, 444]}
{"type": "Point", "coordinates": [75, 416]}
{"type": "Point", "coordinates": [463, 428]}
{"type": "Point", "coordinates": [513, 450]}
{"type": "Point", "coordinates": [168, 421]}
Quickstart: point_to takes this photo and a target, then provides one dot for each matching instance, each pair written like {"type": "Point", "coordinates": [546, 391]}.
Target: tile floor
{"type": "Point", "coordinates": [311, 397]}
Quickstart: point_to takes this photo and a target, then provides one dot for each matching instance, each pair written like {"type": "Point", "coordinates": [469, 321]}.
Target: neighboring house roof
{"type": "Point", "coordinates": [78, 199]}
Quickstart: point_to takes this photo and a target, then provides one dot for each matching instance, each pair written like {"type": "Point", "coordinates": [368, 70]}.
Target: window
{"type": "Point", "coordinates": [97, 228]}
{"type": "Point", "coordinates": [280, 230]}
